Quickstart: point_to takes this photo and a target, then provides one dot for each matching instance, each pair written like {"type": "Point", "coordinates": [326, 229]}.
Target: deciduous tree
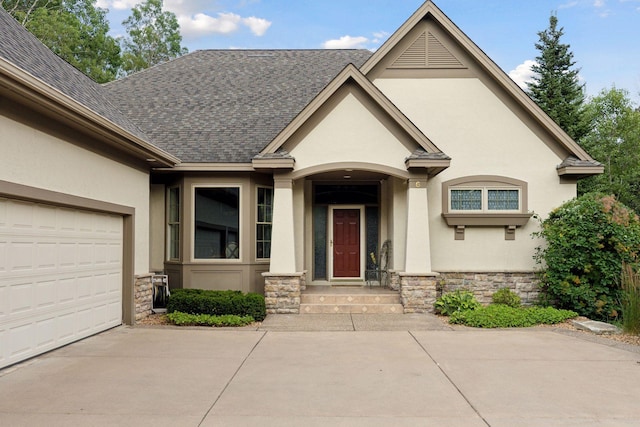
{"type": "Point", "coordinates": [614, 140]}
{"type": "Point", "coordinates": [76, 30]}
{"type": "Point", "coordinates": [153, 37]}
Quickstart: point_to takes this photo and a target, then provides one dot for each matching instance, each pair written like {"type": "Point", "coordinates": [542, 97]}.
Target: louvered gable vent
{"type": "Point", "coordinates": [427, 52]}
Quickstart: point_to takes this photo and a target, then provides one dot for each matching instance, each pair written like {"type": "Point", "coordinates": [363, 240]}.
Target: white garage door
{"type": "Point", "coordinates": [60, 276]}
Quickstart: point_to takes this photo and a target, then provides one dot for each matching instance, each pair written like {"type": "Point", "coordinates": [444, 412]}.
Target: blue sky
{"type": "Point", "coordinates": [604, 34]}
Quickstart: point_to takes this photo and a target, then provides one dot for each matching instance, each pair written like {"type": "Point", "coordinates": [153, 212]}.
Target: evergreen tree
{"type": "Point", "coordinates": [153, 37]}
{"type": "Point", "coordinates": [555, 86]}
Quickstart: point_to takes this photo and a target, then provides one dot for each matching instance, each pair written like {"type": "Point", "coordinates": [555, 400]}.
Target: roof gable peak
{"type": "Point", "coordinates": [350, 74]}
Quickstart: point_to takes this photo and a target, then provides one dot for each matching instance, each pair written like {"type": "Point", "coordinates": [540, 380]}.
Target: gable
{"type": "Point", "coordinates": [426, 51]}
{"type": "Point", "coordinates": [352, 120]}
{"type": "Point", "coordinates": [429, 46]}
{"type": "Point", "coordinates": [350, 128]}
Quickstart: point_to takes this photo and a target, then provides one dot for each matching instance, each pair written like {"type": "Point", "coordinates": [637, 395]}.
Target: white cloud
{"type": "Point", "coordinates": [380, 37]}
{"type": "Point", "coordinates": [117, 4]}
{"type": "Point", "coordinates": [196, 17]}
{"type": "Point", "coordinates": [346, 42]}
{"type": "Point", "coordinates": [201, 24]}
{"type": "Point", "coordinates": [258, 26]}
{"type": "Point", "coordinates": [568, 5]}
{"type": "Point", "coordinates": [523, 73]}
{"type": "Point", "coordinates": [599, 3]}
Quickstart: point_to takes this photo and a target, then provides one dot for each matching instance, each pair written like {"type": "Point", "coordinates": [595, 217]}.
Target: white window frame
{"type": "Point", "coordinates": [238, 260]}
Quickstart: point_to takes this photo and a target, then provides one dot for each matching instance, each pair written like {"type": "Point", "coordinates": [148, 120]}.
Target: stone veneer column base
{"type": "Point", "coordinates": [143, 296]}
{"type": "Point", "coordinates": [282, 292]}
{"type": "Point", "coordinates": [418, 292]}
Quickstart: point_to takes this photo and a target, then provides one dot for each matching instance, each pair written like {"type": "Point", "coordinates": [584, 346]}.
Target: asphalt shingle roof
{"type": "Point", "coordinates": [226, 105]}
{"type": "Point", "coordinates": [21, 48]}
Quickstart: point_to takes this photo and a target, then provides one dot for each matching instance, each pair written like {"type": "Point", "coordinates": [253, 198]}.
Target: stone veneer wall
{"type": "Point", "coordinates": [282, 292]}
{"type": "Point", "coordinates": [484, 285]}
{"type": "Point", "coordinates": [143, 296]}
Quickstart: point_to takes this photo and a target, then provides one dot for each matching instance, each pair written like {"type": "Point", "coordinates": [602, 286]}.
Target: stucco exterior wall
{"type": "Point", "coordinates": [472, 125]}
{"type": "Point", "coordinates": [350, 133]}
{"type": "Point", "coordinates": [39, 159]}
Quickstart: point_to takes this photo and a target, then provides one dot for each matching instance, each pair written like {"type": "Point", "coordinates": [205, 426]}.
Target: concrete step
{"type": "Point", "coordinates": [351, 308]}
{"type": "Point", "coordinates": [339, 299]}
{"type": "Point", "coordinates": [350, 299]}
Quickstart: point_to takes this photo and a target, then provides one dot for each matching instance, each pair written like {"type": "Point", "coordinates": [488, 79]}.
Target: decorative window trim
{"type": "Point", "coordinates": [173, 223]}
{"type": "Point", "coordinates": [509, 219]}
{"type": "Point", "coordinates": [195, 187]}
{"type": "Point", "coordinates": [257, 205]}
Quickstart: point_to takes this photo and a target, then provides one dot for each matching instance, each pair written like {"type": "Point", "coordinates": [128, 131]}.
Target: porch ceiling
{"type": "Point", "coordinates": [348, 175]}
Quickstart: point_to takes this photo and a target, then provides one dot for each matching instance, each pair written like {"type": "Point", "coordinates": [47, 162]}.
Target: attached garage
{"type": "Point", "coordinates": [74, 202]}
{"type": "Point", "coordinates": [61, 275]}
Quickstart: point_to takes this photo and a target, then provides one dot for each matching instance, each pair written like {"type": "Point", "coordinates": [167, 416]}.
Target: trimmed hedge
{"type": "Point", "coordinates": [217, 303]}
{"type": "Point", "coordinates": [184, 319]}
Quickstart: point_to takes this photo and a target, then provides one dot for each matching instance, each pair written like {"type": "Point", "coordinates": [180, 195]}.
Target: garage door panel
{"type": "Point", "coordinates": [60, 276]}
{"type": "Point", "coordinates": [46, 295]}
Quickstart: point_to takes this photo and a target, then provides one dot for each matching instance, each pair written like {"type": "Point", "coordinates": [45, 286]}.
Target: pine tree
{"type": "Point", "coordinates": [555, 86]}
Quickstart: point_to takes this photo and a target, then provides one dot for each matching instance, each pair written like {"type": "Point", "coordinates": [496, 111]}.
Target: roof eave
{"type": "Point", "coordinates": [579, 172]}
{"type": "Point", "coordinates": [432, 166]}
{"type": "Point", "coordinates": [54, 102]}
{"type": "Point", "coordinates": [208, 167]}
{"type": "Point", "coordinates": [272, 164]}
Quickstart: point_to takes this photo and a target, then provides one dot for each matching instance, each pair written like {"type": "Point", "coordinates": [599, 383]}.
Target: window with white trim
{"type": "Point", "coordinates": [264, 219]}
{"type": "Point", "coordinates": [217, 223]}
{"type": "Point", "coordinates": [173, 223]}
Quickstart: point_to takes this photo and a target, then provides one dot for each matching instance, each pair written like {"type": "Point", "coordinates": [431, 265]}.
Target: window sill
{"type": "Point", "coordinates": [509, 221]}
{"type": "Point", "coordinates": [487, 219]}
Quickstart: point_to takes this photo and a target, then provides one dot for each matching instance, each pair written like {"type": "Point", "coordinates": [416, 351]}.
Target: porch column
{"type": "Point", "coordinates": [283, 252]}
{"type": "Point", "coordinates": [418, 282]}
{"type": "Point", "coordinates": [418, 253]}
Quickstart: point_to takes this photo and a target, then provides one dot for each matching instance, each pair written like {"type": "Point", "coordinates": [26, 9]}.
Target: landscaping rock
{"type": "Point", "coordinates": [598, 328]}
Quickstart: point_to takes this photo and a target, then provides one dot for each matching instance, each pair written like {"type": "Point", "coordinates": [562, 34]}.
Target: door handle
{"type": "Point", "coordinates": [331, 243]}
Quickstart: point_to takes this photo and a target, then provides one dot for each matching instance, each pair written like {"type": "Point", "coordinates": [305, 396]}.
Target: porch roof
{"type": "Point", "coordinates": [224, 106]}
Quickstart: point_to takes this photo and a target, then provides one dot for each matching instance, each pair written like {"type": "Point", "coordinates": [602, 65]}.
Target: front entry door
{"type": "Point", "coordinates": [346, 243]}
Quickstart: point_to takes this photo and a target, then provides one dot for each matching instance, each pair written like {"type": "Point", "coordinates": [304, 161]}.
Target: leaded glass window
{"type": "Point", "coordinates": [466, 200]}
{"type": "Point", "coordinates": [503, 200]}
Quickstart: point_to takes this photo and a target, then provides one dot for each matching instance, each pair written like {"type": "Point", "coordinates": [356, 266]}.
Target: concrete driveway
{"type": "Point", "coordinates": [374, 374]}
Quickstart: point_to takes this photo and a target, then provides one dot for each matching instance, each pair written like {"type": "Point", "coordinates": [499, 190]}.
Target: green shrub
{"type": "Point", "coordinates": [459, 300]}
{"type": "Point", "coordinates": [503, 316]}
{"type": "Point", "coordinates": [630, 300]}
{"type": "Point", "coordinates": [507, 297]}
{"type": "Point", "coordinates": [185, 319]}
{"type": "Point", "coordinates": [217, 303]}
{"type": "Point", "coordinates": [587, 240]}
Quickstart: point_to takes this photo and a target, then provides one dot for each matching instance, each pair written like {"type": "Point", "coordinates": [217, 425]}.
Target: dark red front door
{"type": "Point", "coordinates": [346, 243]}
